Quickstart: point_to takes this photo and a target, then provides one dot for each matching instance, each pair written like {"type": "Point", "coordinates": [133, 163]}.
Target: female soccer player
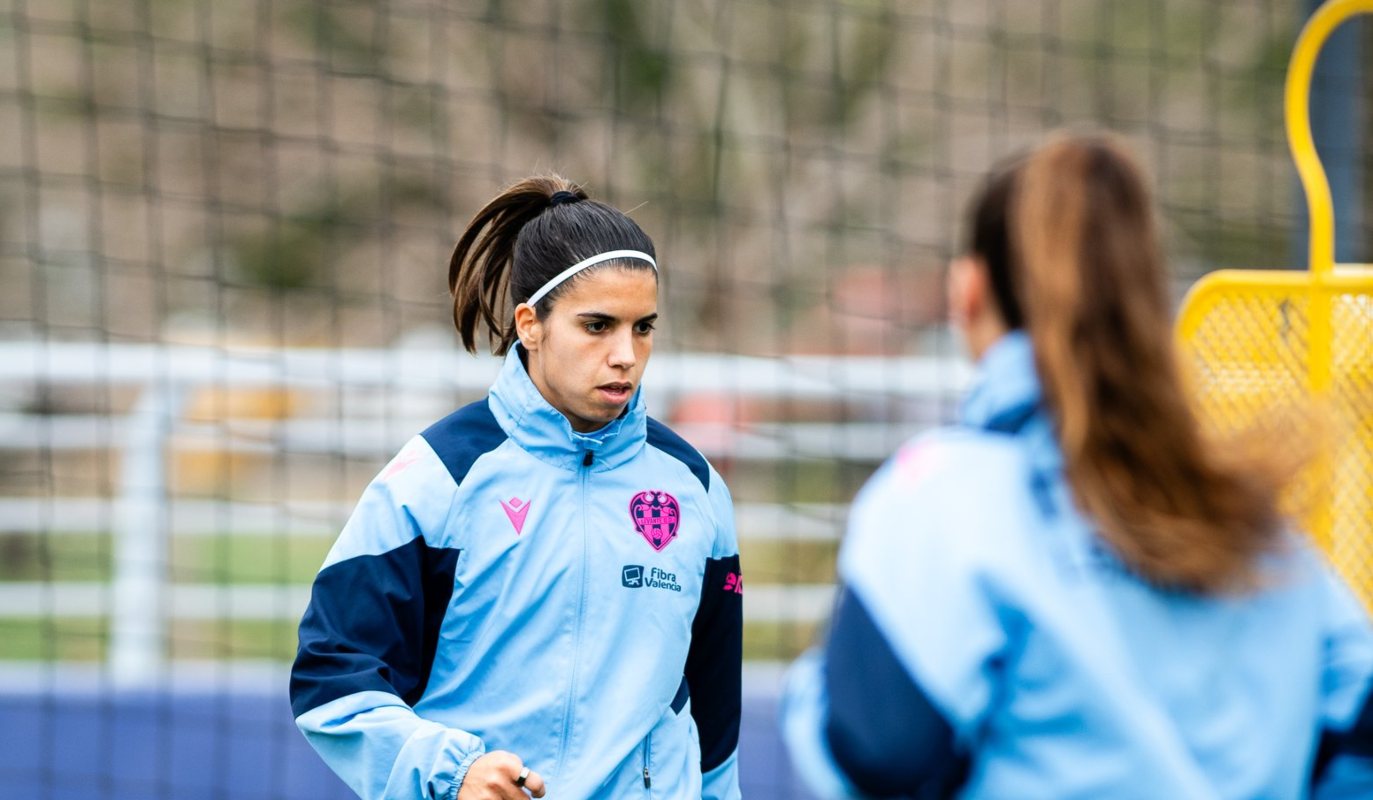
{"type": "Point", "coordinates": [540, 592]}
{"type": "Point", "coordinates": [1072, 594]}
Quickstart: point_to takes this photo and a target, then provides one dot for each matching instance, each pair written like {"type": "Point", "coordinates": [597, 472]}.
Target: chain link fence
{"type": "Point", "coordinates": [224, 233]}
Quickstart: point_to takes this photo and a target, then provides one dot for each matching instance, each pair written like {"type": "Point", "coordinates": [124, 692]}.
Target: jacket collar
{"type": "Point", "coordinates": [1005, 392]}
{"type": "Point", "coordinates": [1006, 397]}
{"type": "Point", "coordinates": [539, 428]}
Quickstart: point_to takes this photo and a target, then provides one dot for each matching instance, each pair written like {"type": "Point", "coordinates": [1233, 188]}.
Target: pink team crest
{"type": "Point", "coordinates": [656, 517]}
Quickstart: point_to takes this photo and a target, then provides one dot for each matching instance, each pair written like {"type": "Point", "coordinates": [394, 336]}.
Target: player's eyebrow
{"type": "Point", "coordinates": [601, 316]}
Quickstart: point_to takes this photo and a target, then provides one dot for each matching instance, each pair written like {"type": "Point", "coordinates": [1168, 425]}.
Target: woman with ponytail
{"type": "Point", "coordinates": [1074, 593]}
{"type": "Point", "coordinates": [541, 592]}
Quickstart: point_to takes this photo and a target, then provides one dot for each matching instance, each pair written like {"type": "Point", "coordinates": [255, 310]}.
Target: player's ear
{"type": "Point", "coordinates": [969, 289]}
{"type": "Point", "coordinates": [528, 326]}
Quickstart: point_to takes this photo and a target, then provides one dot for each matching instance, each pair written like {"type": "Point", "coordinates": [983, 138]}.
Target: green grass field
{"type": "Point", "coordinates": [87, 639]}
{"type": "Point", "coordinates": [246, 558]}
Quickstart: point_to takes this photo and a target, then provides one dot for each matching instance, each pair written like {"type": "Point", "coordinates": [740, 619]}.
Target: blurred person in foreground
{"type": "Point", "coordinates": [1072, 593]}
{"type": "Point", "coordinates": [541, 593]}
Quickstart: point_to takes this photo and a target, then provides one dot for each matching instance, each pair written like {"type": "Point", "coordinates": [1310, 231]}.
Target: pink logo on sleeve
{"type": "Point", "coordinates": [516, 509]}
{"type": "Point", "coordinates": [656, 517]}
{"type": "Point", "coordinates": [917, 461]}
{"type": "Point", "coordinates": [399, 463]}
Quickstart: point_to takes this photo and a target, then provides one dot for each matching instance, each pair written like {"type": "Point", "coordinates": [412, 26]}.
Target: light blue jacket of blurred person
{"type": "Point", "coordinates": [1077, 592]}
{"type": "Point", "coordinates": [986, 644]}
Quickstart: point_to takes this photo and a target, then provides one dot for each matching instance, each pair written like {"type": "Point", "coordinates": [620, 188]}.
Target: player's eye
{"type": "Point", "coordinates": [645, 327]}
{"type": "Point", "coordinates": [596, 326]}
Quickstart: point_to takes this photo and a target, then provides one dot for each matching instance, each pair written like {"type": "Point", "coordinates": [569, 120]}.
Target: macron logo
{"type": "Point", "coordinates": [516, 509]}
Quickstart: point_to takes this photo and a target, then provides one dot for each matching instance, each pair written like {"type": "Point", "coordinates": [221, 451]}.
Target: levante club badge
{"type": "Point", "coordinates": [656, 517]}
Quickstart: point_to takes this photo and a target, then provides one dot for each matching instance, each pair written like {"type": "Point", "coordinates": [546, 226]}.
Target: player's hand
{"type": "Point", "coordinates": [494, 776]}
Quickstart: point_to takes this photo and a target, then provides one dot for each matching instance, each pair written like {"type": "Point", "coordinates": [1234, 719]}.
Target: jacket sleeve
{"type": "Point", "coordinates": [882, 707]}
{"type": "Point", "coordinates": [368, 638]}
{"type": "Point", "coordinates": [858, 724]}
{"type": "Point", "coordinates": [715, 660]}
{"type": "Point", "coordinates": [1343, 765]}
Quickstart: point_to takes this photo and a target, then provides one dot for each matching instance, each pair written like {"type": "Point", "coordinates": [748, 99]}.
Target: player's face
{"type": "Point", "coordinates": [587, 356]}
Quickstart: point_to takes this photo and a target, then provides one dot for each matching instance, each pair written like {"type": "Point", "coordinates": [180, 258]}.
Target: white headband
{"type": "Point", "coordinates": [590, 262]}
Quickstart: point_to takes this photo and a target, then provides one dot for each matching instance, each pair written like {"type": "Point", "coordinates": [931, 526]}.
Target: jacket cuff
{"type": "Point", "coordinates": [461, 772]}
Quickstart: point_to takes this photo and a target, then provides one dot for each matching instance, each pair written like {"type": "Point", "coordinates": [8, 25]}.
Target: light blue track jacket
{"type": "Point", "coordinates": [987, 644]}
{"type": "Point", "coordinates": [506, 583]}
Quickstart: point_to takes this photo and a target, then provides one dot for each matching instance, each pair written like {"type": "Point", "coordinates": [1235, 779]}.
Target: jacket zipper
{"type": "Point", "coordinates": [584, 479]}
{"type": "Point", "coordinates": [648, 750]}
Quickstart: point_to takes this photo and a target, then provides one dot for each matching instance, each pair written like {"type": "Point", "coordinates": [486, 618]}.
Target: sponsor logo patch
{"type": "Point", "coordinates": [636, 576]}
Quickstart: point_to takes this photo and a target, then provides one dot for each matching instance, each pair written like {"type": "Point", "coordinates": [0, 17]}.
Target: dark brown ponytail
{"type": "Point", "coordinates": [1181, 511]}
{"type": "Point", "coordinates": [520, 240]}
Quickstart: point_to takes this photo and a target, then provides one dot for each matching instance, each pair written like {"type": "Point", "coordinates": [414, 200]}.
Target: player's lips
{"type": "Point", "coordinates": [616, 392]}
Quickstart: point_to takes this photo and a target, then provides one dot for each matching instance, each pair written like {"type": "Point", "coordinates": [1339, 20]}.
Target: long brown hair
{"type": "Point", "coordinates": [524, 237]}
{"type": "Point", "coordinates": [1180, 511]}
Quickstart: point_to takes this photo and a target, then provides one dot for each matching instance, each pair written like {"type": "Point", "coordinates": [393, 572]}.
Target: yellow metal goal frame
{"type": "Point", "coordinates": [1257, 338]}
